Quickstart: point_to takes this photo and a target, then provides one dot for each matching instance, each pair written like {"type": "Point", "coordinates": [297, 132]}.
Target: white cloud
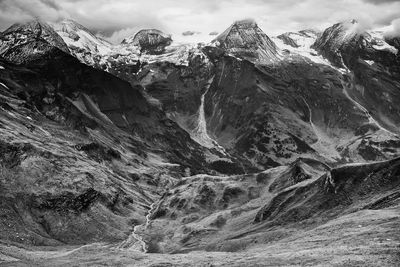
{"type": "Point", "coordinates": [118, 36]}
{"type": "Point", "coordinates": [394, 29]}
{"type": "Point", "coordinates": [120, 18]}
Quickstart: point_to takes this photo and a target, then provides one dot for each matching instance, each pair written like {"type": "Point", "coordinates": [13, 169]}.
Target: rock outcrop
{"type": "Point", "coordinates": [149, 41]}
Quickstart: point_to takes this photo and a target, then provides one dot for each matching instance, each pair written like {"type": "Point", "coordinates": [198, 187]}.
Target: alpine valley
{"type": "Point", "coordinates": [251, 150]}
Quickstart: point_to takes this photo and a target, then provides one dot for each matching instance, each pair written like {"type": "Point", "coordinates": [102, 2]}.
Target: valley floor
{"type": "Point", "coordinates": [363, 238]}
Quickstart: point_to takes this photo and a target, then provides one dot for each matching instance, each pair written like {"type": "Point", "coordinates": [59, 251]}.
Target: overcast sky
{"type": "Point", "coordinates": [117, 19]}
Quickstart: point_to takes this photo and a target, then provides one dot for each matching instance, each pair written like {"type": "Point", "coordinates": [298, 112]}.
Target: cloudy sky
{"type": "Point", "coordinates": [116, 19]}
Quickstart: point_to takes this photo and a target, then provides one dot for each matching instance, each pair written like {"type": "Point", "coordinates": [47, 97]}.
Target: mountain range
{"type": "Point", "coordinates": [251, 150]}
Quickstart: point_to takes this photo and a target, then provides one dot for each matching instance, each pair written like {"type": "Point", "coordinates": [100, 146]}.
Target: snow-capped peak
{"type": "Point", "coordinates": [341, 33]}
{"type": "Point", "coordinates": [348, 32]}
{"type": "Point", "coordinates": [77, 37]}
{"type": "Point", "coordinates": [21, 33]}
{"type": "Point", "coordinates": [245, 39]}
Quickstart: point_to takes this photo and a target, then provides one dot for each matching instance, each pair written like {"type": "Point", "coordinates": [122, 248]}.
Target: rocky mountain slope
{"type": "Point", "coordinates": [301, 104]}
{"type": "Point", "coordinates": [247, 150]}
{"type": "Point", "coordinates": [373, 67]}
{"type": "Point", "coordinates": [79, 144]}
{"type": "Point", "coordinates": [235, 213]}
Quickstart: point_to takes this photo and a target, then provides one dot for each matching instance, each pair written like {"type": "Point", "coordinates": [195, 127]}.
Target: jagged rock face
{"type": "Point", "coordinates": [341, 36]}
{"type": "Point", "coordinates": [287, 40]}
{"type": "Point", "coordinates": [158, 77]}
{"type": "Point", "coordinates": [21, 34]}
{"type": "Point", "coordinates": [246, 40]}
{"type": "Point", "coordinates": [188, 83]}
{"type": "Point", "coordinates": [149, 41]}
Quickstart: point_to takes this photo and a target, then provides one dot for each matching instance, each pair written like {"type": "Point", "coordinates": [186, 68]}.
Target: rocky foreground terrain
{"type": "Point", "coordinates": [247, 151]}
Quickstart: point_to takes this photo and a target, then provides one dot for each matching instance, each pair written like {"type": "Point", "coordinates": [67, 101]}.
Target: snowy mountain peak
{"type": "Point", "coordinates": [80, 39]}
{"type": "Point", "coordinates": [149, 41]}
{"type": "Point", "coordinates": [68, 25]}
{"type": "Point", "coordinates": [340, 34]}
{"type": "Point", "coordinates": [246, 40]}
{"type": "Point", "coordinates": [22, 33]}
{"type": "Point", "coordinates": [73, 28]}
{"type": "Point", "coordinates": [348, 37]}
